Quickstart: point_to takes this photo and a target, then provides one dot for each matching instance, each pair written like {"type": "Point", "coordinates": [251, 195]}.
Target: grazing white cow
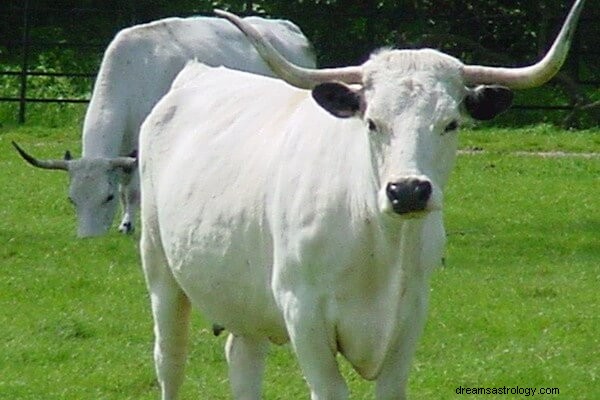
{"type": "Point", "coordinates": [138, 68]}
{"type": "Point", "coordinates": [313, 216]}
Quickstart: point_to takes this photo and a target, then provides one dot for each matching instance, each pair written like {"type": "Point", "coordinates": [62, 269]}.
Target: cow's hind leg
{"type": "Point", "coordinates": [171, 312]}
{"type": "Point", "coordinates": [246, 359]}
{"type": "Point", "coordinates": [130, 201]}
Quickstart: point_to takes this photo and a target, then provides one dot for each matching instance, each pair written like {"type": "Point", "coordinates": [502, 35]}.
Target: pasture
{"type": "Point", "coordinates": [516, 304]}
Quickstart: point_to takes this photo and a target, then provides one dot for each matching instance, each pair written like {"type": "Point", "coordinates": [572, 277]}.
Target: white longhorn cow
{"type": "Point", "coordinates": [138, 68]}
{"type": "Point", "coordinates": [313, 216]}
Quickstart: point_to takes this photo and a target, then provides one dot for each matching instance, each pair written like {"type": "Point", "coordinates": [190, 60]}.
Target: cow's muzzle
{"type": "Point", "coordinates": [409, 195]}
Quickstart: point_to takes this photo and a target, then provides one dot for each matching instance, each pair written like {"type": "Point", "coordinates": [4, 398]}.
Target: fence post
{"type": "Point", "coordinates": [24, 64]}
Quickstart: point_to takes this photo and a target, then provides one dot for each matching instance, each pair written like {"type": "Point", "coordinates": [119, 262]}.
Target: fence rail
{"type": "Point", "coordinates": [25, 46]}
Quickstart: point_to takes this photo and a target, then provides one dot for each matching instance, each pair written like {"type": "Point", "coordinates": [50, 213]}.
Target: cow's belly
{"type": "Point", "coordinates": [229, 284]}
{"type": "Point", "coordinates": [226, 273]}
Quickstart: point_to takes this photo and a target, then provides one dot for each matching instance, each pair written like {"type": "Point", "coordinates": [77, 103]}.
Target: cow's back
{"type": "Point", "coordinates": [215, 42]}
{"type": "Point", "coordinates": [142, 61]}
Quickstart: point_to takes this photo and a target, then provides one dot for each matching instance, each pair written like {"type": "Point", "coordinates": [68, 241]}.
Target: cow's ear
{"type": "Point", "coordinates": [485, 102]}
{"type": "Point", "coordinates": [338, 99]}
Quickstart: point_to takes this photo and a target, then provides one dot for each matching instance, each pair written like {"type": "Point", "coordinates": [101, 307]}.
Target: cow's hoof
{"type": "Point", "coordinates": [126, 228]}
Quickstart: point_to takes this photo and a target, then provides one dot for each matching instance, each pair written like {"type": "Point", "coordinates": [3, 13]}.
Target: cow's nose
{"type": "Point", "coordinates": [409, 195]}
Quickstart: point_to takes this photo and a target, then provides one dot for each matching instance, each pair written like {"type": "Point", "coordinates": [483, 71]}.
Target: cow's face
{"type": "Point", "coordinates": [94, 192]}
{"type": "Point", "coordinates": [412, 103]}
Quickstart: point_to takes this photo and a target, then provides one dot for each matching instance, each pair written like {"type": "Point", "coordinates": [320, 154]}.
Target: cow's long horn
{"type": "Point", "coordinates": [303, 78]}
{"type": "Point", "coordinates": [533, 75]}
{"type": "Point", "coordinates": [46, 164]}
{"type": "Point", "coordinates": [125, 163]}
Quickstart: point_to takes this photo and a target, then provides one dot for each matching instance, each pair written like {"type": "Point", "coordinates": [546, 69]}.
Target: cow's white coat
{"type": "Point", "coordinates": [267, 213]}
{"type": "Point", "coordinates": [137, 70]}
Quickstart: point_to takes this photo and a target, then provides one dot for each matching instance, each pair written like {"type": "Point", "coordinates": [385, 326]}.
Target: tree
{"type": "Point", "coordinates": [343, 31]}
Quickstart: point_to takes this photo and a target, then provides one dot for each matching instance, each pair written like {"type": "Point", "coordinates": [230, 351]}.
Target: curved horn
{"type": "Point", "coordinates": [303, 78]}
{"type": "Point", "coordinates": [533, 75]}
{"type": "Point", "coordinates": [127, 164]}
{"type": "Point", "coordinates": [46, 164]}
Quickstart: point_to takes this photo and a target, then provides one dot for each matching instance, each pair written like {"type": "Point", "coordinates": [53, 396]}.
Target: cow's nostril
{"type": "Point", "coordinates": [423, 190]}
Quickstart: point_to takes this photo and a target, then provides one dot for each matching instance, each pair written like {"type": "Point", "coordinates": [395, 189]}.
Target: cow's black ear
{"type": "Point", "coordinates": [485, 102]}
{"type": "Point", "coordinates": [338, 99]}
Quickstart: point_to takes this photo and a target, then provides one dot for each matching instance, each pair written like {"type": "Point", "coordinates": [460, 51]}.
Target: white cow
{"type": "Point", "coordinates": [138, 68]}
{"type": "Point", "coordinates": [313, 216]}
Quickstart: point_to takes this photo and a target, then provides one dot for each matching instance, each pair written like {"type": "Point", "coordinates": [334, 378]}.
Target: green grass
{"type": "Point", "coordinates": [516, 305]}
{"type": "Point", "coordinates": [542, 137]}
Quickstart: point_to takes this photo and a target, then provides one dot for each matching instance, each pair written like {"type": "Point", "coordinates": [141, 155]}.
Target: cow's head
{"type": "Point", "coordinates": [411, 103]}
{"type": "Point", "coordinates": [93, 189]}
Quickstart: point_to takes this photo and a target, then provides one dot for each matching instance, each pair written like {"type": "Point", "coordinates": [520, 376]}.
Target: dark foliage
{"type": "Point", "coordinates": [344, 31]}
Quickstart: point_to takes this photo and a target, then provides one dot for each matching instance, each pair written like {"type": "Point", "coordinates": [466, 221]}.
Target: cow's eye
{"type": "Point", "coordinates": [109, 198]}
{"type": "Point", "coordinates": [371, 124]}
{"type": "Point", "coordinates": [452, 126]}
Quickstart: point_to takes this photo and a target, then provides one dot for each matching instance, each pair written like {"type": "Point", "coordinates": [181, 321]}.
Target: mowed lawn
{"type": "Point", "coordinates": [517, 304]}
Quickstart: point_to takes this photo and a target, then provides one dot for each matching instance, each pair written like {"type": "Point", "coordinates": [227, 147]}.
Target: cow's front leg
{"type": "Point", "coordinates": [246, 359]}
{"type": "Point", "coordinates": [314, 346]}
{"type": "Point", "coordinates": [130, 201]}
{"type": "Point", "coordinates": [393, 378]}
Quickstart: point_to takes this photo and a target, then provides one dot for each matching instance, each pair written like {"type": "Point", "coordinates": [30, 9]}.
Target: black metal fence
{"type": "Point", "coordinates": [23, 47]}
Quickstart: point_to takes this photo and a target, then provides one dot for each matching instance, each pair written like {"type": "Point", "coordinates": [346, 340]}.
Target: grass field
{"type": "Point", "coordinates": [516, 305]}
